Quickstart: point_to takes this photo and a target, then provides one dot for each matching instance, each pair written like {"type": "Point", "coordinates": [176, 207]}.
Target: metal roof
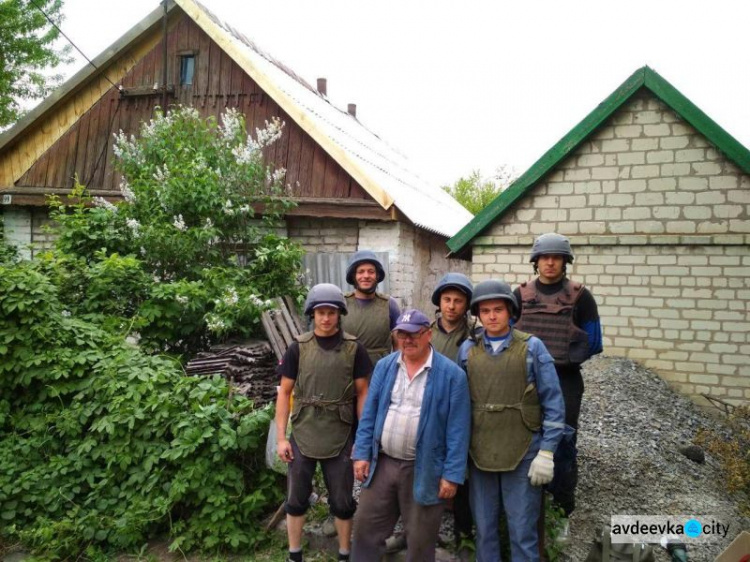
{"type": "Point", "coordinates": [381, 170]}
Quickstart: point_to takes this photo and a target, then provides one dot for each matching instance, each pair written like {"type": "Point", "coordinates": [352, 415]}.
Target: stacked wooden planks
{"type": "Point", "coordinates": [250, 368]}
{"type": "Point", "coordinates": [282, 325]}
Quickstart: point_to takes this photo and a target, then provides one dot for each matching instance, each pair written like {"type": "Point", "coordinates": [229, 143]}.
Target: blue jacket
{"type": "Point", "coordinates": [443, 431]}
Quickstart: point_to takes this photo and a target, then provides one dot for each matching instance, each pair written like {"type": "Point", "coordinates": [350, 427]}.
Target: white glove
{"type": "Point", "coordinates": [542, 469]}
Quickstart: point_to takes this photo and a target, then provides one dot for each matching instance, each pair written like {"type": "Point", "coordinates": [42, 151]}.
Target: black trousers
{"type": "Point", "coordinates": [338, 473]}
{"type": "Point", "coordinates": [564, 483]}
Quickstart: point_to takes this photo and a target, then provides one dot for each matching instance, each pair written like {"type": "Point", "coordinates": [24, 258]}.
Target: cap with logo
{"type": "Point", "coordinates": [411, 320]}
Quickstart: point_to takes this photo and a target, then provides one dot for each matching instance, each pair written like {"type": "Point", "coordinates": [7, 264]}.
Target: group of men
{"type": "Point", "coordinates": [480, 415]}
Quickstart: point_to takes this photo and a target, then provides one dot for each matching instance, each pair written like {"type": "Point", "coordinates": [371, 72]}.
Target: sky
{"type": "Point", "coordinates": [478, 85]}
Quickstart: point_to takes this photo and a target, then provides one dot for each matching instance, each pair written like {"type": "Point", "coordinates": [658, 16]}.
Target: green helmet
{"type": "Point", "coordinates": [493, 289]}
{"type": "Point", "coordinates": [551, 243]}
{"type": "Point", "coordinates": [325, 294]}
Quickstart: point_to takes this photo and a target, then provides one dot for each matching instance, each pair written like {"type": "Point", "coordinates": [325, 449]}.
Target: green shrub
{"type": "Point", "coordinates": [103, 446]}
{"type": "Point", "coordinates": [184, 261]}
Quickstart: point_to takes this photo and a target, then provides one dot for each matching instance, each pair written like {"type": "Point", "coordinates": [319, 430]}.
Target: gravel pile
{"type": "Point", "coordinates": [632, 427]}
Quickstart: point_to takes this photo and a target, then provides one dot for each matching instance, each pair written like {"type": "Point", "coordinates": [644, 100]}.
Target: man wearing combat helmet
{"type": "Point", "coordinates": [517, 422]}
{"type": "Point", "coordinates": [372, 315]}
{"type": "Point", "coordinates": [326, 370]}
{"type": "Point", "coordinates": [563, 314]}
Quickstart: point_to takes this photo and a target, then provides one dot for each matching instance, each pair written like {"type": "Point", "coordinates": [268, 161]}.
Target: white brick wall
{"type": "Point", "coordinates": [17, 229]}
{"type": "Point", "coordinates": [323, 235]}
{"type": "Point", "coordinates": [25, 229]}
{"type": "Point", "coordinates": [662, 243]}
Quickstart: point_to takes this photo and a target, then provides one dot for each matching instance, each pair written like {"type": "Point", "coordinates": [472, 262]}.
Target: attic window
{"type": "Point", "coordinates": [187, 69]}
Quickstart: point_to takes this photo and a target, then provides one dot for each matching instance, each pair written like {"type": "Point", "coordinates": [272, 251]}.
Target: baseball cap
{"type": "Point", "coordinates": [411, 320]}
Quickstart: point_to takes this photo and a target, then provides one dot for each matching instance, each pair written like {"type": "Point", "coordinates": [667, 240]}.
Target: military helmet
{"type": "Point", "coordinates": [452, 281]}
{"type": "Point", "coordinates": [551, 243]}
{"type": "Point", "coordinates": [492, 290]}
{"type": "Point", "coordinates": [360, 257]}
{"type": "Point", "coordinates": [325, 294]}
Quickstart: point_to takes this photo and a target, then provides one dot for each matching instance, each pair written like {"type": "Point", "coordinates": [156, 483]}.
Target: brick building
{"type": "Point", "coordinates": [655, 198]}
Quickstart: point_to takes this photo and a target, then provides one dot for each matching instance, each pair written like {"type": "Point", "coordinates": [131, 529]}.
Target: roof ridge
{"type": "Point", "coordinates": [644, 77]}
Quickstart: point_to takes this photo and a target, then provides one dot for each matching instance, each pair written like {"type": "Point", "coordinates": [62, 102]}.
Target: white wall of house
{"type": "Point", "coordinates": [660, 225]}
{"type": "Point", "coordinates": [24, 228]}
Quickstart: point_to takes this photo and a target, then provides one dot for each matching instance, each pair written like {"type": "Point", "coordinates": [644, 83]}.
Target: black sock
{"type": "Point", "coordinates": [295, 556]}
{"type": "Point", "coordinates": [344, 557]}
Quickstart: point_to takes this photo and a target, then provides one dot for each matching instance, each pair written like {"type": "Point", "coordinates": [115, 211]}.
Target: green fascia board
{"type": "Point", "coordinates": [643, 77]}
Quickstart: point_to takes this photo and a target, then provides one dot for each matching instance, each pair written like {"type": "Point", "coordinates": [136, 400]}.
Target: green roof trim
{"type": "Point", "coordinates": [644, 77]}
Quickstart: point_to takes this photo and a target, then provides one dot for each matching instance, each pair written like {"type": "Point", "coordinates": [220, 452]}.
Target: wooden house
{"type": "Point", "coordinates": [352, 189]}
{"type": "Point", "coordinates": [655, 198]}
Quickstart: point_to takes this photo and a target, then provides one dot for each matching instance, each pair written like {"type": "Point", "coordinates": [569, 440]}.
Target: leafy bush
{"type": "Point", "coordinates": [105, 444]}
{"type": "Point", "coordinates": [101, 446]}
{"type": "Point", "coordinates": [183, 261]}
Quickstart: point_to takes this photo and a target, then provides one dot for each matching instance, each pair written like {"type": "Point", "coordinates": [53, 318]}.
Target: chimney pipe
{"type": "Point", "coordinates": [322, 86]}
{"type": "Point", "coordinates": [352, 109]}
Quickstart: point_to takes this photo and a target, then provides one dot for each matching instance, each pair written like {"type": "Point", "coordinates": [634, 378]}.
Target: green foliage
{"type": "Point", "coordinates": [27, 50]}
{"type": "Point", "coordinates": [475, 193]}
{"type": "Point", "coordinates": [105, 444]}
{"type": "Point", "coordinates": [102, 446]}
{"type": "Point", "coordinates": [554, 523]}
{"type": "Point", "coordinates": [184, 261]}
{"type": "Point", "coordinates": [732, 447]}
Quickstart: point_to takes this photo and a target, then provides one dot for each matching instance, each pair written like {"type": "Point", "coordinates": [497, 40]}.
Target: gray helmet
{"type": "Point", "coordinates": [452, 281]}
{"type": "Point", "coordinates": [360, 257]}
{"type": "Point", "coordinates": [325, 294]}
{"type": "Point", "coordinates": [491, 290]}
{"type": "Point", "coordinates": [551, 243]}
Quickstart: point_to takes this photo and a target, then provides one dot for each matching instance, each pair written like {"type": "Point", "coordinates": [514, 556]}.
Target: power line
{"type": "Point", "coordinates": [33, 3]}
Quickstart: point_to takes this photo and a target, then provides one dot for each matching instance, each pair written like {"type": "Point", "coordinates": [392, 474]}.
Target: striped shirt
{"type": "Point", "coordinates": [399, 439]}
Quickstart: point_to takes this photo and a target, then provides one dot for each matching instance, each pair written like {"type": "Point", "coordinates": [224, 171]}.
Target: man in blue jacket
{"type": "Point", "coordinates": [517, 421]}
{"type": "Point", "coordinates": [412, 444]}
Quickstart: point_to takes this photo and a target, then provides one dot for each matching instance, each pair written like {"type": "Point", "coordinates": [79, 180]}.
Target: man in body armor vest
{"type": "Point", "coordinates": [372, 315]}
{"type": "Point", "coordinates": [326, 372]}
{"type": "Point", "coordinates": [564, 315]}
{"type": "Point", "coordinates": [452, 296]}
{"type": "Point", "coordinates": [517, 422]}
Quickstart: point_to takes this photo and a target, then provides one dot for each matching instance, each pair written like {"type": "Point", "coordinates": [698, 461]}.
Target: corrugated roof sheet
{"type": "Point", "coordinates": [425, 205]}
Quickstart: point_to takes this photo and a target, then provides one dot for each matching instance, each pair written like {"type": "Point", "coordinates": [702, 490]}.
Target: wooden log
{"type": "Point", "coordinates": [293, 312]}
{"type": "Point", "coordinates": [278, 320]}
{"type": "Point", "coordinates": [293, 329]}
{"type": "Point", "coordinates": [273, 337]}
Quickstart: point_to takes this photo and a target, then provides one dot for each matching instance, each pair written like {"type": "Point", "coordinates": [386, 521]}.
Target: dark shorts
{"type": "Point", "coordinates": [338, 474]}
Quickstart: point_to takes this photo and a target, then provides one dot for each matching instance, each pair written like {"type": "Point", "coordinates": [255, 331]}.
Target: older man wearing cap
{"type": "Point", "coordinates": [412, 443]}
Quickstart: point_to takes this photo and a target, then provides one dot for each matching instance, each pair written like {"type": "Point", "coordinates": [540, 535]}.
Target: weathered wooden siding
{"type": "Point", "coordinates": [16, 159]}
{"type": "Point", "coordinates": [85, 149]}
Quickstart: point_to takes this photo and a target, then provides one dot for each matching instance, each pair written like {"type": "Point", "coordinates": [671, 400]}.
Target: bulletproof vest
{"type": "Point", "coordinates": [323, 412]}
{"type": "Point", "coordinates": [371, 324]}
{"type": "Point", "coordinates": [550, 318]}
{"type": "Point", "coordinates": [448, 344]}
{"type": "Point", "coordinates": [505, 409]}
